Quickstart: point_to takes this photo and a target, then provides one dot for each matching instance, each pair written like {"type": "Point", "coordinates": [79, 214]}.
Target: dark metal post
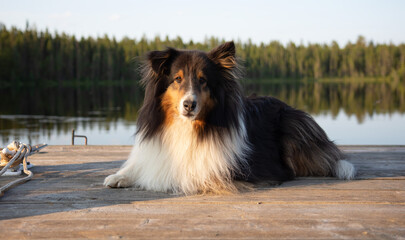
{"type": "Point", "coordinates": [82, 136]}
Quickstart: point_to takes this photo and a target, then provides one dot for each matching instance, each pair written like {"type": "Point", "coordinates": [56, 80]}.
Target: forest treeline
{"type": "Point", "coordinates": [35, 57]}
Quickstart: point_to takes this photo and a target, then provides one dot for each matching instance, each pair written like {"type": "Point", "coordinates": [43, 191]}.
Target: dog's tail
{"type": "Point", "coordinates": [308, 150]}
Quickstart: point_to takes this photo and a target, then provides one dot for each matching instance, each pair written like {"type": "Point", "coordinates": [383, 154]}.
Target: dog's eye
{"type": "Point", "coordinates": [177, 79]}
{"type": "Point", "coordinates": [202, 80]}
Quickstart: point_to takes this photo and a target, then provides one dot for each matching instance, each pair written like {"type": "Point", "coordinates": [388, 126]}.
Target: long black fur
{"type": "Point", "coordinates": [284, 142]}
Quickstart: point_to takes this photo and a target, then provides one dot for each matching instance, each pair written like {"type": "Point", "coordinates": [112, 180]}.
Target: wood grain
{"type": "Point", "coordinates": [66, 199]}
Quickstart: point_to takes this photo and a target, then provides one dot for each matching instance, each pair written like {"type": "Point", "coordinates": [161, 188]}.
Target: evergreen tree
{"type": "Point", "coordinates": [33, 57]}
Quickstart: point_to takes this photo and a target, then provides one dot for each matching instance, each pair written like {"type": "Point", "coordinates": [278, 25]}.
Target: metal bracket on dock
{"type": "Point", "coordinates": [80, 136]}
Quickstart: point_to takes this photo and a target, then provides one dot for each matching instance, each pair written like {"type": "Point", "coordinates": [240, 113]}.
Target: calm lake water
{"type": "Point", "coordinates": [350, 113]}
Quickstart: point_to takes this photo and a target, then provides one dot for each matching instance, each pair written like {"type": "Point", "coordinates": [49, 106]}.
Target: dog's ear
{"type": "Point", "coordinates": [160, 60]}
{"type": "Point", "coordinates": [224, 55]}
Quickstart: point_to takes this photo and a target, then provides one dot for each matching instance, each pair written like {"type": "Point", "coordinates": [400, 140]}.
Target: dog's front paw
{"type": "Point", "coordinates": [117, 181]}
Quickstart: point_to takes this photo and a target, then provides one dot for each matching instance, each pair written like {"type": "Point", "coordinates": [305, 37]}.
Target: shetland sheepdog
{"type": "Point", "coordinates": [197, 133]}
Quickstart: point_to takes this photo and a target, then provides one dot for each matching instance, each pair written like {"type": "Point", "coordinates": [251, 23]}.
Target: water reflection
{"type": "Point", "coordinates": [358, 99]}
{"type": "Point", "coordinates": [107, 114]}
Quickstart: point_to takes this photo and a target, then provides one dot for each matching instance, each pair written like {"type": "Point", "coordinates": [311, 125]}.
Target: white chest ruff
{"type": "Point", "coordinates": [178, 161]}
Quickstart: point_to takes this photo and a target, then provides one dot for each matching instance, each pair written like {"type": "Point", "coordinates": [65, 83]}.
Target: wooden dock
{"type": "Point", "coordinates": [66, 199]}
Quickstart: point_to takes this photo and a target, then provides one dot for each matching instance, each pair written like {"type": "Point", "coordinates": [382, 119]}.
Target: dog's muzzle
{"type": "Point", "coordinates": [189, 106]}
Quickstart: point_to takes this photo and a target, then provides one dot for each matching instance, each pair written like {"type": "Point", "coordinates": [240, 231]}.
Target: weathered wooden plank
{"type": "Point", "coordinates": [154, 220]}
{"type": "Point", "coordinates": [90, 182]}
{"type": "Point", "coordinates": [66, 199]}
{"type": "Point", "coordinates": [372, 148]}
{"type": "Point", "coordinates": [334, 193]}
{"type": "Point", "coordinates": [96, 198]}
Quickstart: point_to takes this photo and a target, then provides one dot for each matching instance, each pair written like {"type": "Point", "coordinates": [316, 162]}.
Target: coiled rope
{"type": "Point", "coordinates": [21, 155]}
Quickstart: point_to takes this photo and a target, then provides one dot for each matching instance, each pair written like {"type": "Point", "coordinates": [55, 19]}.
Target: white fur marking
{"type": "Point", "coordinates": [345, 170]}
{"type": "Point", "coordinates": [180, 162]}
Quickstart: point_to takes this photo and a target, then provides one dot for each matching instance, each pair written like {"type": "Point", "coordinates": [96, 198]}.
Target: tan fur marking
{"type": "Point", "coordinates": [200, 75]}
{"type": "Point", "coordinates": [227, 62]}
{"type": "Point", "coordinates": [198, 125]}
{"type": "Point", "coordinates": [170, 100]}
{"type": "Point", "coordinates": [218, 186]}
{"type": "Point", "coordinates": [180, 74]}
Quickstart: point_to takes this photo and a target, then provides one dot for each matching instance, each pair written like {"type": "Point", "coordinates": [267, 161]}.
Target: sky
{"type": "Point", "coordinates": [299, 21]}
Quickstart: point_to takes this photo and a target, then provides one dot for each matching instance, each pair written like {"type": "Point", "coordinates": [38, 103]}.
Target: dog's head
{"type": "Point", "coordinates": [190, 85]}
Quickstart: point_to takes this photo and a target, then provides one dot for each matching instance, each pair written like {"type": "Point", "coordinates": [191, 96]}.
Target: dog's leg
{"type": "Point", "coordinates": [308, 150]}
{"type": "Point", "coordinates": [126, 176]}
{"type": "Point", "coordinates": [117, 181]}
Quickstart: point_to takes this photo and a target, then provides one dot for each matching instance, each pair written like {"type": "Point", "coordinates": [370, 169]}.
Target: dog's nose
{"type": "Point", "coordinates": [189, 105]}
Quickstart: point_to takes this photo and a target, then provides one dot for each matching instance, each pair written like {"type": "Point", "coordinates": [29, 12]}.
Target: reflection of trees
{"type": "Point", "coordinates": [58, 110]}
{"type": "Point", "coordinates": [46, 111]}
{"type": "Point", "coordinates": [36, 127]}
{"type": "Point", "coordinates": [107, 102]}
{"type": "Point", "coordinates": [359, 99]}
